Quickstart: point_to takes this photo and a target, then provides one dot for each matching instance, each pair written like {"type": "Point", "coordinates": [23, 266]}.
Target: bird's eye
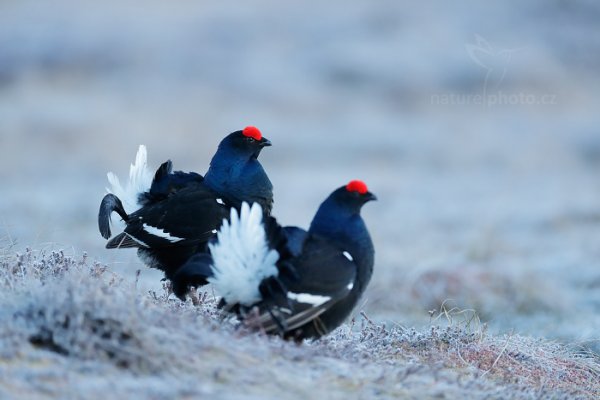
{"type": "Point", "coordinates": [249, 139]}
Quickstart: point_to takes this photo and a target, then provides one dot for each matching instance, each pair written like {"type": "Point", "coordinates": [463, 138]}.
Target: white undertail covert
{"type": "Point", "coordinates": [140, 179]}
{"type": "Point", "coordinates": [241, 256]}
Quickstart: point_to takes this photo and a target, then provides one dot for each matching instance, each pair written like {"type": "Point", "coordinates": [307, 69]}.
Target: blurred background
{"type": "Point", "coordinates": [476, 124]}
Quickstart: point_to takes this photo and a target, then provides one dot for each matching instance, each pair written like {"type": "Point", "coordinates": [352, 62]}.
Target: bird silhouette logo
{"type": "Point", "coordinates": [494, 61]}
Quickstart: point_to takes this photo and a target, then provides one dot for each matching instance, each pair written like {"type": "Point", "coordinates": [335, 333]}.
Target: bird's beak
{"type": "Point", "coordinates": [370, 197]}
{"type": "Point", "coordinates": [264, 142]}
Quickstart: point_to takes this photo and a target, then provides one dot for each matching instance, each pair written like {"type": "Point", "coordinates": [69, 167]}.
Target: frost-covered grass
{"type": "Point", "coordinates": [496, 208]}
{"type": "Point", "coordinates": [72, 328]}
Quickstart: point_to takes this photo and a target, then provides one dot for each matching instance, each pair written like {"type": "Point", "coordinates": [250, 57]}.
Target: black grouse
{"type": "Point", "coordinates": [180, 212]}
{"type": "Point", "coordinates": [284, 280]}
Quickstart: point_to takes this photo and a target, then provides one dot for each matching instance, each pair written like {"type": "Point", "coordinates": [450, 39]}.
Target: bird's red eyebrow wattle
{"type": "Point", "coordinates": [357, 186]}
{"type": "Point", "coordinates": [253, 132]}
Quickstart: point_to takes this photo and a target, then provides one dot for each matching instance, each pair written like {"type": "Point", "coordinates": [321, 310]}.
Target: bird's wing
{"type": "Point", "coordinates": [166, 182]}
{"type": "Point", "coordinates": [295, 239]}
{"type": "Point", "coordinates": [324, 276]}
{"type": "Point", "coordinates": [267, 204]}
{"type": "Point", "coordinates": [189, 216]}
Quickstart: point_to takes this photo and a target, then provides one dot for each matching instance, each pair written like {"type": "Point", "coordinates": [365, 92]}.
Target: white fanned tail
{"type": "Point", "coordinates": [140, 179]}
{"type": "Point", "coordinates": [241, 256]}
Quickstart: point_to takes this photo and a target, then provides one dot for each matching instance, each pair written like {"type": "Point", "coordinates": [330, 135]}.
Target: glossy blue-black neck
{"type": "Point", "coordinates": [338, 219]}
{"type": "Point", "coordinates": [235, 172]}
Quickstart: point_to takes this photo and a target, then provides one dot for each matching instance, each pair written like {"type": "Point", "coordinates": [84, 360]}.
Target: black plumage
{"type": "Point", "coordinates": [164, 183]}
{"type": "Point", "coordinates": [320, 276]}
{"type": "Point", "coordinates": [181, 211]}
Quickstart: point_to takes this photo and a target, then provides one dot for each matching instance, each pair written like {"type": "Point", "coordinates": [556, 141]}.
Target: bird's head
{"type": "Point", "coordinates": [247, 142]}
{"type": "Point", "coordinates": [340, 212]}
{"type": "Point", "coordinates": [349, 198]}
{"type": "Point", "coordinates": [353, 196]}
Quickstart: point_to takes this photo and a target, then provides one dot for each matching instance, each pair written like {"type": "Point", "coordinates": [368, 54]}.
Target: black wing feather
{"type": "Point", "coordinates": [166, 182]}
{"type": "Point", "coordinates": [322, 270]}
{"type": "Point", "coordinates": [191, 214]}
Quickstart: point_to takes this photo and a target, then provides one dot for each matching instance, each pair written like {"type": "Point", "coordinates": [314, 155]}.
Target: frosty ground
{"type": "Point", "coordinates": [491, 208]}
{"type": "Point", "coordinates": [72, 329]}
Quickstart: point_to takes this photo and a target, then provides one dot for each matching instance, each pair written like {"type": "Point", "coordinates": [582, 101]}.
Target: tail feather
{"type": "Point", "coordinates": [109, 203]}
{"type": "Point", "coordinates": [159, 187]}
{"type": "Point", "coordinates": [124, 241]}
{"type": "Point", "coordinates": [140, 180]}
{"type": "Point", "coordinates": [242, 257]}
{"type": "Point", "coordinates": [162, 172]}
